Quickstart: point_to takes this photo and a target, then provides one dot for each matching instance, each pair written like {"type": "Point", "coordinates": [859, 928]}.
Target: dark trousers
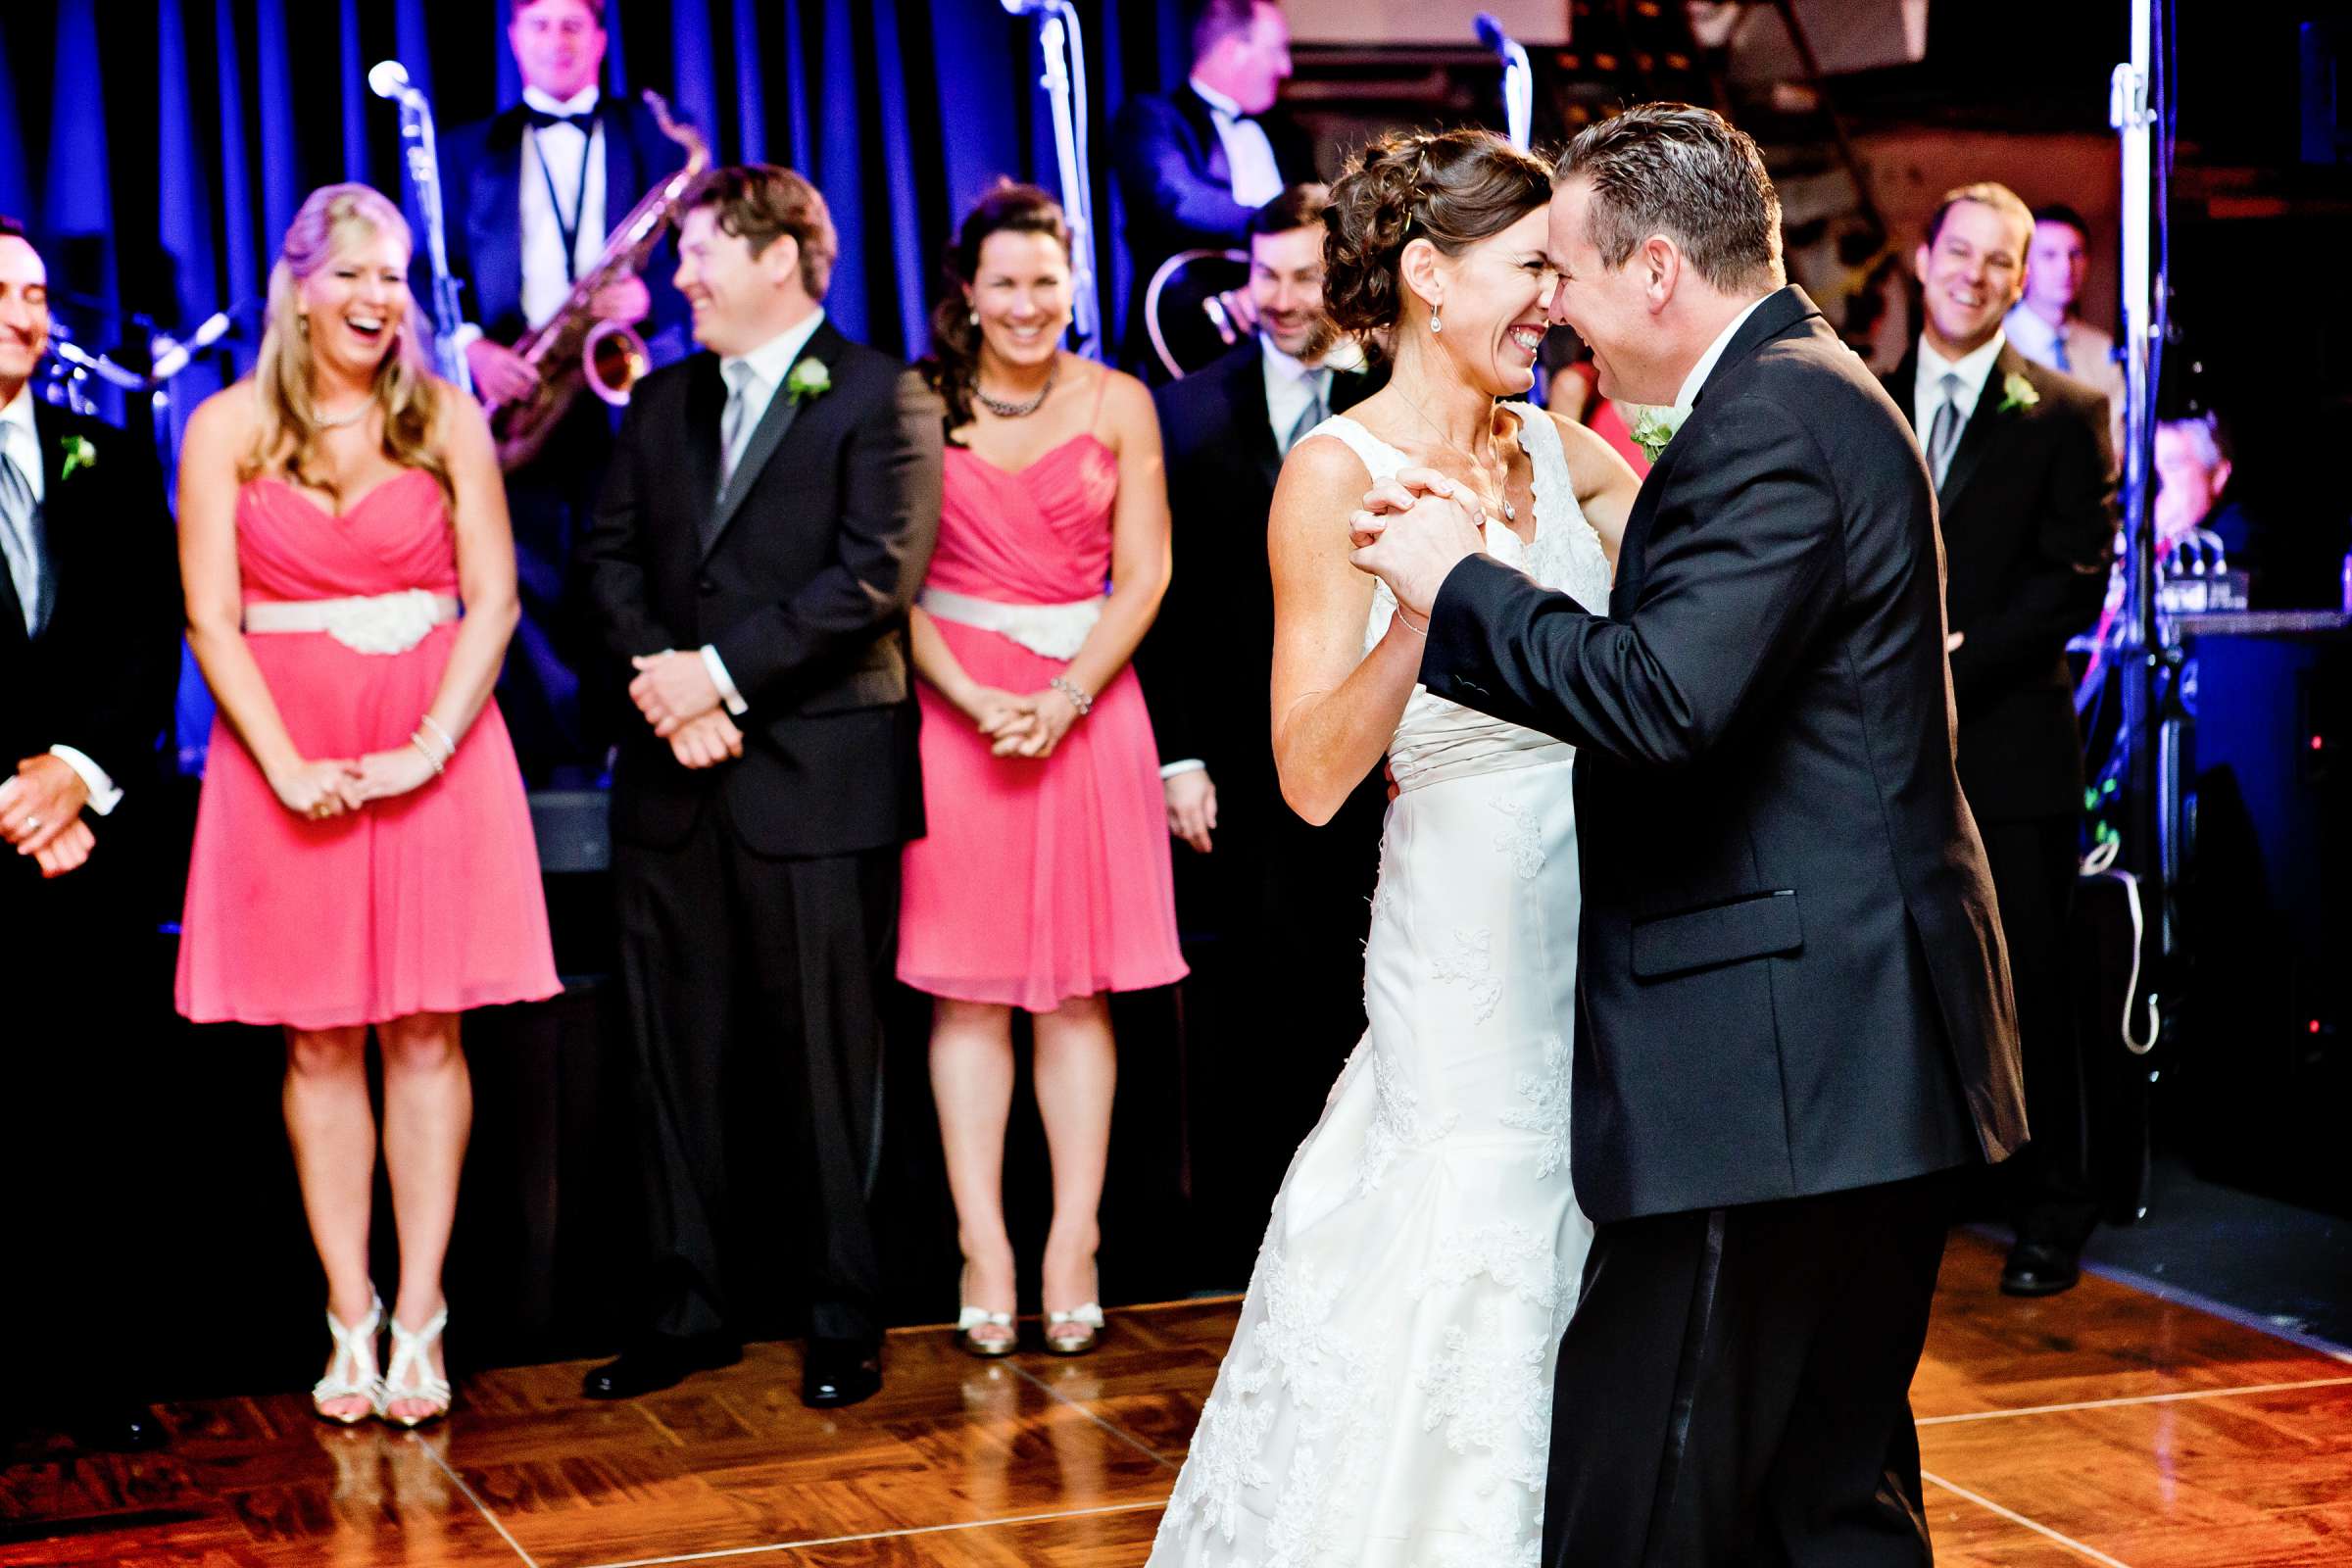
{"type": "Point", "coordinates": [1733, 1388]}
{"type": "Point", "coordinates": [2045, 1188]}
{"type": "Point", "coordinates": [741, 968]}
{"type": "Point", "coordinates": [85, 991]}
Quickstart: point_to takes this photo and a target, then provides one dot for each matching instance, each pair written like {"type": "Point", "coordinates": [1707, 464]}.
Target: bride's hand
{"type": "Point", "coordinates": [1413, 530]}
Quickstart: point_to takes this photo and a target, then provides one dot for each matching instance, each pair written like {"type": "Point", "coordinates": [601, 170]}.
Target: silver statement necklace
{"type": "Point", "coordinates": [1015, 411]}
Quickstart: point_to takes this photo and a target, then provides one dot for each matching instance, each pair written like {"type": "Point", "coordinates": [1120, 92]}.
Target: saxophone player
{"type": "Point", "coordinates": [531, 193]}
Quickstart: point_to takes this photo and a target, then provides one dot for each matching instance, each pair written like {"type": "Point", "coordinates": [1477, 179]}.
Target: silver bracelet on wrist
{"type": "Point", "coordinates": [1074, 691]}
{"type": "Point", "coordinates": [449, 742]}
{"type": "Point", "coordinates": [417, 740]}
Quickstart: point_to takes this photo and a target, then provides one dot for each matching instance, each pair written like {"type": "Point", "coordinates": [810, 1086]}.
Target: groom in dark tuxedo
{"type": "Point", "coordinates": [1793, 1006]}
{"type": "Point", "coordinates": [2021, 461]}
{"type": "Point", "coordinates": [769, 516]}
{"type": "Point", "coordinates": [89, 654]}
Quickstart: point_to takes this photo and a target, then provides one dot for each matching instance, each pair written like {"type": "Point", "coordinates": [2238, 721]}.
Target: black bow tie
{"type": "Point", "coordinates": [583, 122]}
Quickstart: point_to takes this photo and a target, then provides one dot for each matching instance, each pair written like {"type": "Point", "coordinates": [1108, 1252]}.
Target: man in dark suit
{"type": "Point", "coordinates": [1195, 164]}
{"type": "Point", "coordinates": [89, 654]}
{"type": "Point", "coordinates": [1793, 1009]}
{"type": "Point", "coordinates": [532, 194]}
{"type": "Point", "coordinates": [770, 513]}
{"type": "Point", "coordinates": [1274, 911]}
{"type": "Point", "coordinates": [2020, 457]}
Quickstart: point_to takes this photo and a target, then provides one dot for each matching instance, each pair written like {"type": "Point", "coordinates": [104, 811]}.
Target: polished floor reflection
{"type": "Point", "coordinates": [2103, 1426]}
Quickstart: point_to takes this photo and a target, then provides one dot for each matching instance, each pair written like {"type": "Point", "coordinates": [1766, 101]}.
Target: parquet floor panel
{"type": "Point", "coordinates": [2103, 1426]}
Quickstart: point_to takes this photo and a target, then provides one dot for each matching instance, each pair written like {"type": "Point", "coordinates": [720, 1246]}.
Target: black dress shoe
{"type": "Point", "coordinates": [837, 1372]}
{"type": "Point", "coordinates": [117, 1429]}
{"type": "Point", "coordinates": [2040, 1268]}
{"type": "Point", "coordinates": [659, 1361]}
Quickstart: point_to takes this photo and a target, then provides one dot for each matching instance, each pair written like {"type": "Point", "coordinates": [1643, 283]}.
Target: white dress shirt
{"type": "Point", "coordinates": [1248, 153]}
{"type": "Point", "coordinates": [1697, 380]}
{"type": "Point", "coordinates": [20, 439]}
{"type": "Point", "coordinates": [573, 164]}
{"type": "Point", "coordinates": [1974, 368]}
{"type": "Point", "coordinates": [768, 364]}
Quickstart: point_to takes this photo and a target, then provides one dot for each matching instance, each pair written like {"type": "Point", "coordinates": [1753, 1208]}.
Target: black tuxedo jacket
{"type": "Point", "coordinates": [101, 675]}
{"type": "Point", "coordinates": [2029, 530]}
{"type": "Point", "coordinates": [1791, 979]}
{"type": "Point", "coordinates": [1177, 187]}
{"type": "Point", "coordinates": [799, 575]}
{"type": "Point", "coordinates": [1205, 662]}
{"type": "Point", "coordinates": [481, 174]}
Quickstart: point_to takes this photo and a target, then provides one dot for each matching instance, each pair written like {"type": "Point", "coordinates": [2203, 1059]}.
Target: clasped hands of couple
{"type": "Point", "coordinates": [1413, 530]}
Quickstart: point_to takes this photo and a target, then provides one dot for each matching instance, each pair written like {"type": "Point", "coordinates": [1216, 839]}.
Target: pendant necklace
{"type": "Point", "coordinates": [1510, 513]}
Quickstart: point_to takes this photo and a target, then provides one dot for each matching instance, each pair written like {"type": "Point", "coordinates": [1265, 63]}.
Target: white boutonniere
{"type": "Point", "coordinates": [2016, 393]}
{"type": "Point", "coordinates": [808, 379]}
{"type": "Point", "coordinates": [1654, 427]}
{"type": "Point", "coordinates": [80, 454]}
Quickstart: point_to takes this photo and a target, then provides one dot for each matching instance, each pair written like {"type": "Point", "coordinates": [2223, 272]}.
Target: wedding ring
{"type": "Point", "coordinates": [32, 824]}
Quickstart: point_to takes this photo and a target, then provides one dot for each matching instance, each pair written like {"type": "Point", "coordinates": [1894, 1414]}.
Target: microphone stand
{"type": "Point", "coordinates": [2149, 662]}
{"type": "Point", "coordinates": [421, 157]}
{"type": "Point", "coordinates": [1064, 80]}
{"type": "Point", "coordinates": [1518, 79]}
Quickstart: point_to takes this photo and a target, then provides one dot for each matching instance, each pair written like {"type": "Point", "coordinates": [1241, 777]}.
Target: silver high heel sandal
{"type": "Point", "coordinates": [1001, 1338]}
{"type": "Point", "coordinates": [1077, 1331]}
{"type": "Point", "coordinates": [351, 1373]}
{"type": "Point", "coordinates": [411, 1375]}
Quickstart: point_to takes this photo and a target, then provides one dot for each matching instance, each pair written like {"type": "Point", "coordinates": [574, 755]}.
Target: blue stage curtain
{"type": "Point", "coordinates": [188, 131]}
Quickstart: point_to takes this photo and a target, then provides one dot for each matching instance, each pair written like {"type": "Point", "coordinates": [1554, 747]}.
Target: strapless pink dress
{"type": "Point", "coordinates": [426, 903]}
{"type": "Point", "coordinates": [1038, 881]}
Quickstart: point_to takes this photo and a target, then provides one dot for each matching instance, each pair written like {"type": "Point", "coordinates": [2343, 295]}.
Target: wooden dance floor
{"type": "Point", "coordinates": [2103, 1426]}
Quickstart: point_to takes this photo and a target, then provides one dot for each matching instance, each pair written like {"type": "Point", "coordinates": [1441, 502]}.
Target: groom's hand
{"type": "Point", "coordinates": [1414, 529]}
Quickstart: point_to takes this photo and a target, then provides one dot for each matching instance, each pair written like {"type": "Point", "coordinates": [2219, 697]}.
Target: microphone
{"type": "Point", "coordinates": [175, 357]}
{"type": "Point", "coordinates": [1489, 32]}
{"type": "Point", "coordinates": [389, 79]}
{"type": "Point", "coordinates": [1031, 8]}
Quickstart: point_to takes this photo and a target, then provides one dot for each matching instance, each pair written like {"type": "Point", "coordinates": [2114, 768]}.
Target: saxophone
{"type": "Point", "coordinates": [572, 348]}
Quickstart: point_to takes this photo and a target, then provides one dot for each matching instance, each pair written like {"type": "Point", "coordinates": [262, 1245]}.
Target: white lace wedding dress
{"type": "Point", "coordinates": [1386, 1399]}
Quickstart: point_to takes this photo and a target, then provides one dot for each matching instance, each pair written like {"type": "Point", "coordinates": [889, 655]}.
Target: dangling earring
{"type": "Point", "coordinates": [1437, 323]}
{"type": "Point", "coordinates": [302, 324]}
{"type": "Point", "coordinates": [975, 318]}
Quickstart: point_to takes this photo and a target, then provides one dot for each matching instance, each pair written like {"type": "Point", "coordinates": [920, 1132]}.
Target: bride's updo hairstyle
{"type": "Point", "coordinates": [1452, 189]}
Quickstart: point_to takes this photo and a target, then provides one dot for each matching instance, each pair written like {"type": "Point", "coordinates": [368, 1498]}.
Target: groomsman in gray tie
{"type": "Point", "coordinates": [2021, 460]}
{"type": "Point", "coordinates": [768, 516]}
{"type": "Point", "coordinates": [90, 651]}
{"type": "Point", "coordinates": [1273, 911]}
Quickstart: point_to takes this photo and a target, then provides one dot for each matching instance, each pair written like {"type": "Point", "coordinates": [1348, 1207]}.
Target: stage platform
{"type": "Point", "coordinates": [2104, 1426]}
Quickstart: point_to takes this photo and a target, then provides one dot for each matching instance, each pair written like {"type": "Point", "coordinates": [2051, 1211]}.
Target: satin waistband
{"type": "Point", "coordinates": [1056, 632]}
{"type": "Point", "coordinates": [367, 624]}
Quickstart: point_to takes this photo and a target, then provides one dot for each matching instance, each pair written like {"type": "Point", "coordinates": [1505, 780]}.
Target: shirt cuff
{"type": "Point", "coordinates": [104, 795]}
{"type": "Point", "coordinates": [1188, 764]}
{"type": "Point", "coordinates": [726, 682]}
{"type": "Point", "coordinates": [464, 335]}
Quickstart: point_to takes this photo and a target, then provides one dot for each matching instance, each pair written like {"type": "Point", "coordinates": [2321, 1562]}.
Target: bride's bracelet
{"type": "Point", "coordinates": [1074, 691]}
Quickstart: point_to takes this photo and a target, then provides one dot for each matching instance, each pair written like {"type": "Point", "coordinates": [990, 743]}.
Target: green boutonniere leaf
{"type": "Point", "coordinates": [80, 454]}
{"type": "Point", "coordinates": [1653, 430]}
{"type": "Point", "coordinates": [808, 379]}
{"type": "Point", "coordinates": [2016, 393]}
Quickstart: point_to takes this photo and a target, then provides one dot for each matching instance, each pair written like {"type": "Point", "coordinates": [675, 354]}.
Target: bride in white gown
{"type": "Point", "coordinates": [1386, 1399]}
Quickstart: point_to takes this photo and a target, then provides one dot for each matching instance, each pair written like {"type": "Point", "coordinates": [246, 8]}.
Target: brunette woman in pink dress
{"type": "Point", "coordinates": [1044, 883]}
{"type": "Point", "coordinates": [364, 853]}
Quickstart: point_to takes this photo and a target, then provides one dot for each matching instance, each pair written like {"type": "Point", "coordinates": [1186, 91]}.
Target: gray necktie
{"type": "Point", "coordinates": [20, 543]}
{"type": "Point", "coordinates": [740, 377]}
{"type": "Point", "coordinates": [1945, 435]}
{"type": "Point", "coordinates": [1315, 413]}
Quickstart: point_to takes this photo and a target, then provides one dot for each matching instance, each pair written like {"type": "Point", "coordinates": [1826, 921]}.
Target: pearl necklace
{"type": "Point", "coordinates": [322, 422]}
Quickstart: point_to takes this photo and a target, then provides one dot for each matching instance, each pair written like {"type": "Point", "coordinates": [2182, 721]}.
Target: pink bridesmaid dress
{"type": "Point", "coordinates": [429, 901]}
{"type": "Point", "coordinates": [1038, 881]}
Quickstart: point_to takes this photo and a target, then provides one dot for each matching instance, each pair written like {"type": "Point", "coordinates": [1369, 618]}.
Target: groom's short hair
{"type": "Point", "coordinates": [1686, 172]}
